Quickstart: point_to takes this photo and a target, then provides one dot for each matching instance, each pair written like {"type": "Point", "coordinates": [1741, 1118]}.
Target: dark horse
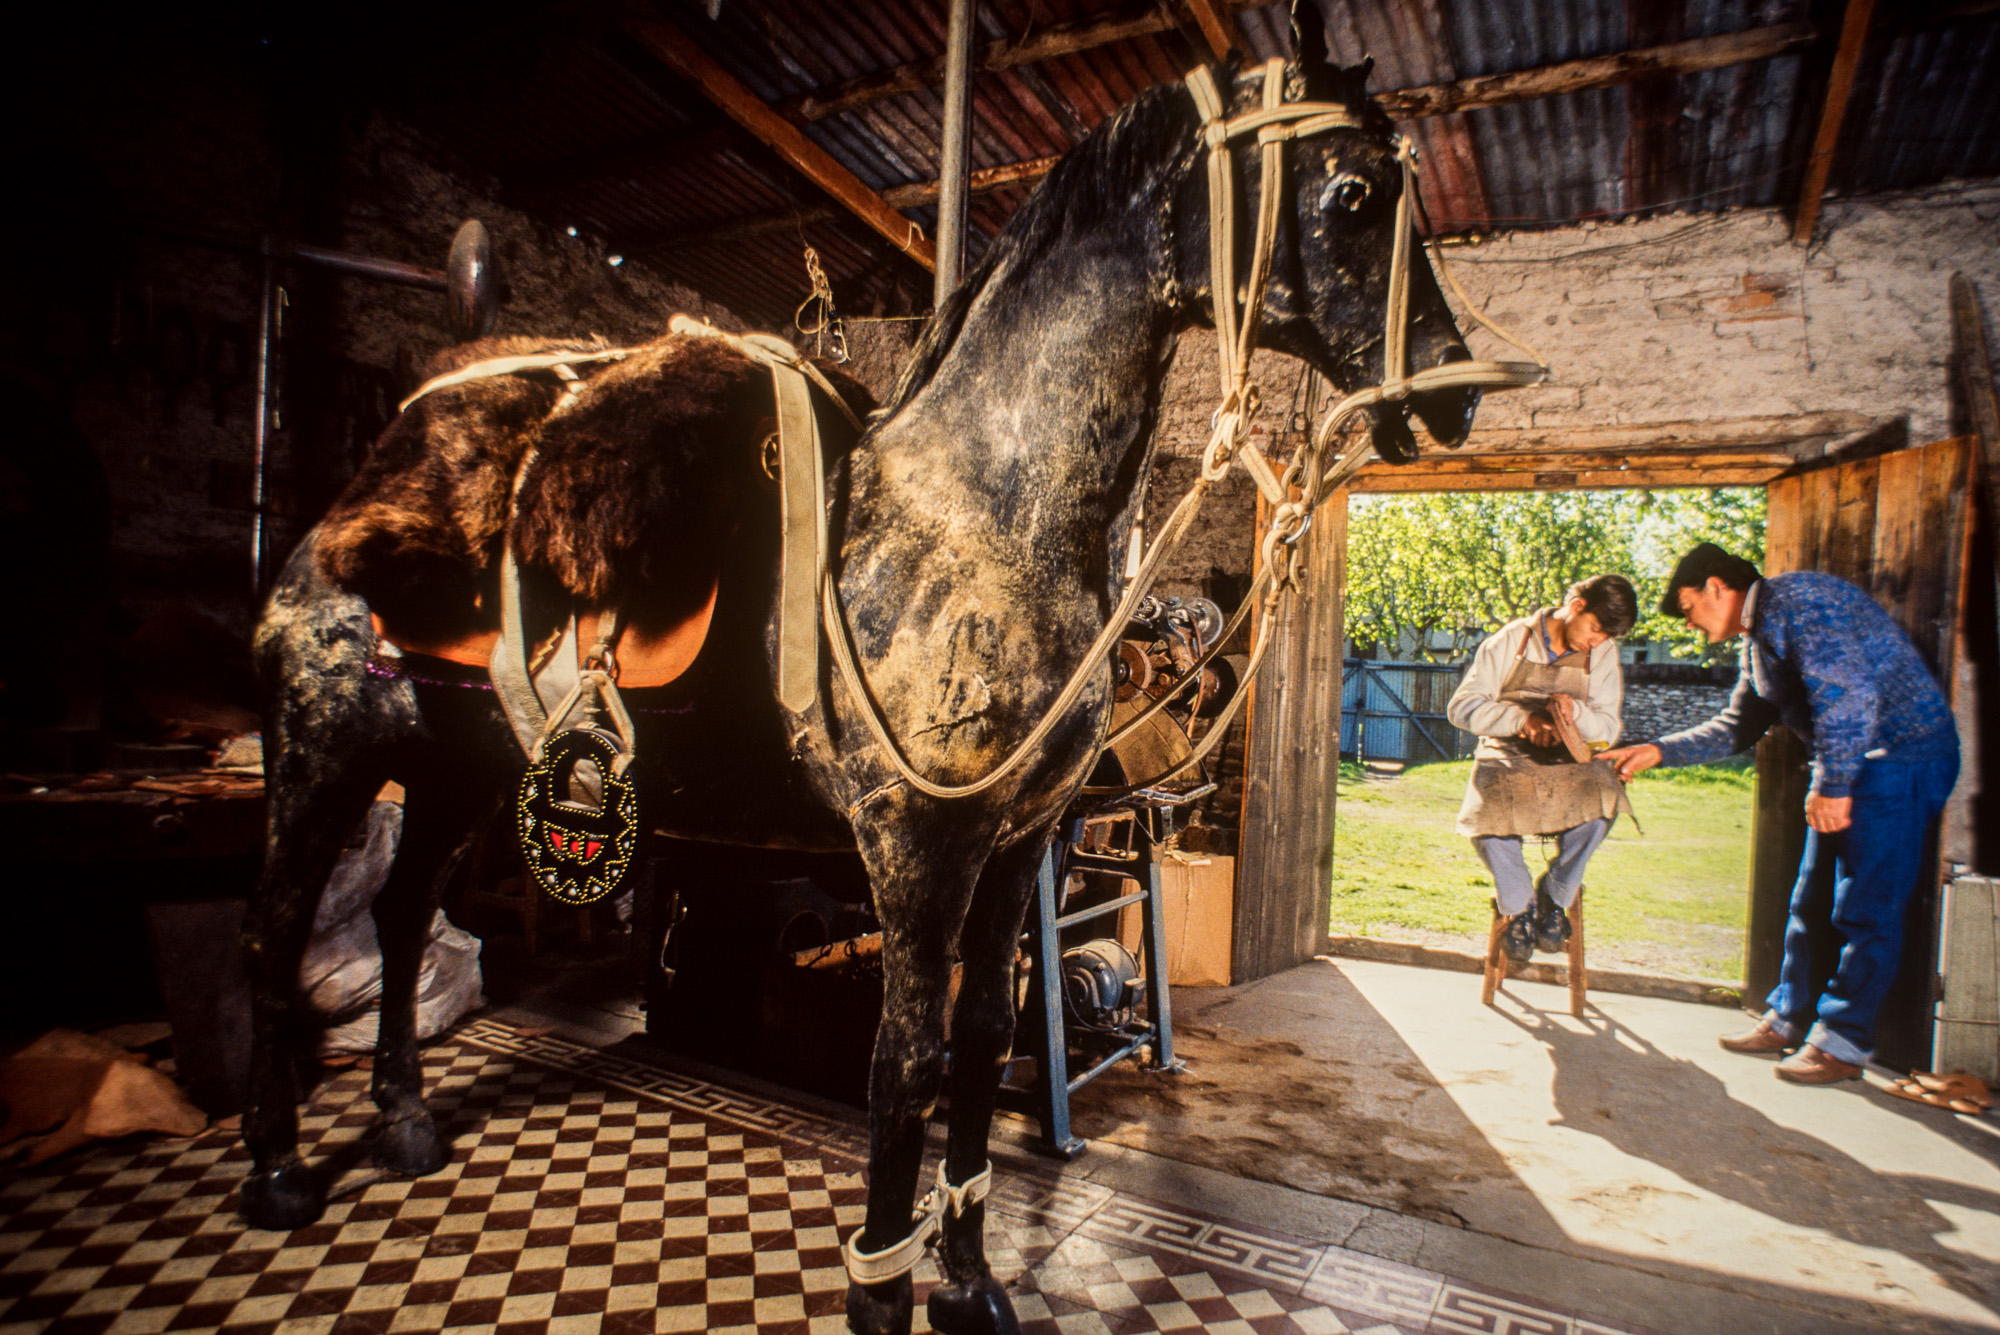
{"type": "Point", "coordinates": [975, 530]}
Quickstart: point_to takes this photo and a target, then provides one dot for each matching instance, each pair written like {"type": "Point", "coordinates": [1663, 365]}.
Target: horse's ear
{"type": "Point", "coordinates": [1356, 79]}
{"type": "Point", "coordinates": [1309, 35]}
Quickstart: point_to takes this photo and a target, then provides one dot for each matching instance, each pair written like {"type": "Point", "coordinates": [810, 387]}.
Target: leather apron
{"type": "Point", "coordinates": [1518, 788]}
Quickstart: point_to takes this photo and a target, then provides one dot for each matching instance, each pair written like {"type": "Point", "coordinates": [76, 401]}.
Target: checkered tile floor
{"type": "Point", "coordinates": [592, 1194]}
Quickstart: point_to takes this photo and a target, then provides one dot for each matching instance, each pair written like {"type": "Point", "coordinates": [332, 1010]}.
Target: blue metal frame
{"type": "Point", "coordinates": [1053, 1083]}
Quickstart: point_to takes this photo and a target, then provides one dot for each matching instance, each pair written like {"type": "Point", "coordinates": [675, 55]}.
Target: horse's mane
{"type": "Point", "coordinates": [1130, 152]}
{"type": "Point", "coordinates": [1098, 178]}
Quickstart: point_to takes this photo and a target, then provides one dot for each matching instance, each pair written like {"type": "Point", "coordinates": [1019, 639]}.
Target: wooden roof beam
{"type": "Point", "coordinates": [1216, 26]}
{"type": "Point", "coordinates": [1062, 39]}
{"type": "Point", "coordinates": [1839, 87]}
{"type": "Point", "coordinates": [678, 52]}
{"type": "Point", "coordinates": [1489, 90]}
{"type": "Point", "coordinates": [1701, 53]}
{"type": "Point", "coordinates": [784, 220]}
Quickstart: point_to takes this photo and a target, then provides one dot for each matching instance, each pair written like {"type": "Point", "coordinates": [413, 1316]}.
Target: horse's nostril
{"type": "Point", "coordinates": [1453, 352]}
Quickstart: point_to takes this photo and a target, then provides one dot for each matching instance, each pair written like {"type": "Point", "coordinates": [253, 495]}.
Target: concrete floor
{"type": "Point", "coordinates": [1620, 1164]}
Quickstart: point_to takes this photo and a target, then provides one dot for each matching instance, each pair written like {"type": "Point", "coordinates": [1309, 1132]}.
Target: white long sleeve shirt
{"type": "Point", "coordinates": [1477, 707]}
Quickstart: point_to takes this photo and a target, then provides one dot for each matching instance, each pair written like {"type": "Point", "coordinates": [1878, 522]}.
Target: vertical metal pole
{"type": "Point", "coordinates": [1153, 913]}
{"type": "Point", "coordinates": [260, 419]}
{"type": "Point", "coordinates": [952, 153]}
{"type": "Point", "coordinates": [1056, 1136]}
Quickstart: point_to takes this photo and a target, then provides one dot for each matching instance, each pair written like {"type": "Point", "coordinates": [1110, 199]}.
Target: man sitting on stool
{"type": "Point", "coordinates": [1542, 694]}
{"type": "Point", "coordinates": [1822, 657]}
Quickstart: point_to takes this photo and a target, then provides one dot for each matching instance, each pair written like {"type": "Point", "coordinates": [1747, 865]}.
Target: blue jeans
{"type": "Point", "coordinates": [1514, 888]}
{"type": "Point", "coordinates": [1862, 877]}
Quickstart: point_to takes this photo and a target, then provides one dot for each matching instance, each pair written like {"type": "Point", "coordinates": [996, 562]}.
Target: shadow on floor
{"type": "Point", "coordinates": [1688, 1124]}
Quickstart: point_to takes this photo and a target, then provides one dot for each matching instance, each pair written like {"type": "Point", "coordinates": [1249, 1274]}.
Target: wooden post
{"type": "Point", "coordinates": [1284, 862]}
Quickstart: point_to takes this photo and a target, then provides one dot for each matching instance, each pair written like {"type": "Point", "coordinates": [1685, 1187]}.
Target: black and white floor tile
{"type": "Point", "coordinates": [594, 1195]}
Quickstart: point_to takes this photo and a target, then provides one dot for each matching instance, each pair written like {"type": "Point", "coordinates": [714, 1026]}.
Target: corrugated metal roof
{"type": "Point", "coordinates": [586, 128]}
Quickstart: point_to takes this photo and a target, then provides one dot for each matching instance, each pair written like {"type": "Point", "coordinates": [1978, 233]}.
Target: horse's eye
{"type": "Point", "coordinates": [1350, 192]}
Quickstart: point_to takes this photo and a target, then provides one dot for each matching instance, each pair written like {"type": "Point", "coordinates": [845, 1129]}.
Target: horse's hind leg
{"type": "Point", "coordinates": [441, 816]}
{"type": "Point", "coordinates": [970, 1301]}
{"type": "Point", "coordinates": [316, 799]}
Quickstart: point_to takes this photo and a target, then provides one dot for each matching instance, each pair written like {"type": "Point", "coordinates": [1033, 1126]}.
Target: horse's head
{"type": "Point", "coordinates": [1328, 297]}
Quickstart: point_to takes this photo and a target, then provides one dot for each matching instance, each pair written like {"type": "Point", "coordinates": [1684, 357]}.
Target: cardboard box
{"type": "Point", "coordinates": [1199, 895]}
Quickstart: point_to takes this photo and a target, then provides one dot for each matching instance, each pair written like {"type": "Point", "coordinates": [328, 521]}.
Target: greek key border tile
{"type": "Point", "coordinates": [1463, 1311]}
{"type": "Point", "coordinates": [1379, 1288]}
{"type": "Point", "coordinates": [685, 1092]}
{"type": "Point", "coordinates": [1278, 1261]}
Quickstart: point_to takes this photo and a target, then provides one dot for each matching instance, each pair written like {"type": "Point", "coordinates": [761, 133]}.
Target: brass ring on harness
{"type": "Point", "coordinates": [769, 456]}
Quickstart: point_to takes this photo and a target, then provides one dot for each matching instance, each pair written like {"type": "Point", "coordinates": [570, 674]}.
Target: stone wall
{"type": "Point", "coordinates": [1664, 698]}
{"type": "Point", "coordinates": [146, 342]}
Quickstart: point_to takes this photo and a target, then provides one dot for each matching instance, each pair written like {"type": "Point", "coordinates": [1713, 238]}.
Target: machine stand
{"type": "Point", "coordinates": [1140, 864]}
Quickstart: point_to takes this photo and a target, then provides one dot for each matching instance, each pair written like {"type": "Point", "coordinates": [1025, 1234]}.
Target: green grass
{"type": "Point", "coordinates": [1669, 900]}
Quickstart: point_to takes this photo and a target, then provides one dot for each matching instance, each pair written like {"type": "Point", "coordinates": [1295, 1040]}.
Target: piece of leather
{"type": "Point", "coordinates": [643, 659]}
{"type": "Point", "coordinates": [801, 486]}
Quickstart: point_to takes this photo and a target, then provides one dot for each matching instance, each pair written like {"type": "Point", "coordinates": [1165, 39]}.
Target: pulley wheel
{"type": "Point", "coordinates": [1221, 680]}
{"type": "Point", "coordinates": [1131, 670]}
{"type": "Point", "coordinates": [1205, 618]}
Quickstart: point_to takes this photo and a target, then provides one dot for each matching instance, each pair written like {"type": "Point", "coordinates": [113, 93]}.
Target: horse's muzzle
{"type": "Point", "coordinates": [1447, 413]}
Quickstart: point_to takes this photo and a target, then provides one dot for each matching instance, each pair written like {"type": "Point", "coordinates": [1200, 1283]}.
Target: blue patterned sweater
{"type": "Point", "coordinates": [1822, 657]}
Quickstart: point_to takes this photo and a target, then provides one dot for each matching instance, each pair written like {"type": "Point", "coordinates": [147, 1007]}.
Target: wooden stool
{"type": "Point", "coordinates": [1496, 959]}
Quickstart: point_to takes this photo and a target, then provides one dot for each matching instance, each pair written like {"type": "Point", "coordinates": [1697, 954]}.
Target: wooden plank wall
{"type": "Point", "coordinates": [1284, 860]}
{"type": "Point", "coordinates": [1893, 525]}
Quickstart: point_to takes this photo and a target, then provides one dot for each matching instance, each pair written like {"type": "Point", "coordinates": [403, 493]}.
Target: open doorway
{"type": "Point", "coordinates": [1430, 576]}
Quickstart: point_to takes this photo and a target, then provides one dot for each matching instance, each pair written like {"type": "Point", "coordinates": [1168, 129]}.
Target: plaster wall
{"type": "Point", "coordinates": [1684, 318]}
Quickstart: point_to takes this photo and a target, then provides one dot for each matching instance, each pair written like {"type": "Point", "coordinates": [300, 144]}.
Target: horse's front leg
{"type": "Point", "coordinates": [970, 1301]}
{"type": "Point", "coordinates": [441, 816]}
{"type": "Point", "coordinates": [921, 892]}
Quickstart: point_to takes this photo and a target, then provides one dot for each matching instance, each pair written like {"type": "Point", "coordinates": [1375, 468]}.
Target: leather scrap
{"type": "Point", "coordinates": [1958, 1091]}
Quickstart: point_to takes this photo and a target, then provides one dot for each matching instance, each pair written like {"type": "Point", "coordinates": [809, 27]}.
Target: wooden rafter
{"type": "Point", "coordinates": [1496, 90]}
{"type": "Point", "coordinates": [1062, 39]}
{"type": "Point", "coordinates": [1405, 104]}
{"type": "Point", "coordinates": [1215, 26]}
{"type": "Point", "coordinates": [784, 220]}
{"type": "Point", "coordinates": [1839, 87]}
{"type": "Point", "coordinates": [679, 53]}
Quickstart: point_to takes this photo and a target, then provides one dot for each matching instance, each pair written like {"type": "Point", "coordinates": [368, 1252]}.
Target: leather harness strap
{"type": "Point", "coordinates": [802, 490]}
{"type": "Point", "coordinates": [899, 1258]}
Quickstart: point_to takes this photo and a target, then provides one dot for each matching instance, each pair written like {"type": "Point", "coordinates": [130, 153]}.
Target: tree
{"type": "Point", "coordinates": [1430, 575]}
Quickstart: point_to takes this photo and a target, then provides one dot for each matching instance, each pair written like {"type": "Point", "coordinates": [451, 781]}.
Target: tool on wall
{"type": "Point", "coordinates": [469, 280]}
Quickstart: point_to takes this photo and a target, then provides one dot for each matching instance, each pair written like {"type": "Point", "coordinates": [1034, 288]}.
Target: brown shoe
{"type": "Point", "coordinates": [1810, 1066]}
{"type": "Point", "coordinates": [1762, 1039]}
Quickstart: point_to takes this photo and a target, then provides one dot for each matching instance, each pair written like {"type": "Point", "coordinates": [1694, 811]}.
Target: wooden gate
{"type": "Point", "coordinates": [1897, 526]}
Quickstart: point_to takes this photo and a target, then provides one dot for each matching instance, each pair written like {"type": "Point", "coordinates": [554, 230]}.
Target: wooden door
{"type": "Point", "coordinates": [1896, 526]}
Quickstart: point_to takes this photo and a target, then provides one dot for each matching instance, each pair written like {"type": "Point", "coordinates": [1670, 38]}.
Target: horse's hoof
{"type": "Point", "coordinates": [881, 1309]}
{"type": "Point", "coordinates": [282, 1199]}
{"type": "Point", "coordinates": [412, 1147]}
{"type": "Point", "coordinates": [979, 1308]}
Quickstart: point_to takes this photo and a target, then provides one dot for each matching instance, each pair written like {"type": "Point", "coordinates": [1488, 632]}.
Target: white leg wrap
{"type": "Point", "coordinates": [900, 1258]}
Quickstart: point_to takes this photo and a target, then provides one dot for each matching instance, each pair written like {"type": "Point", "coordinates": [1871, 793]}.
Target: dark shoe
{"type": "Point", "coordinates": [1763, 1039]}
{"type": "Point", "coordinates": [1517, 938]}
{"type": "Point", "coordinates": [1551, 930]}
{"type": "Point", "coordinates": [1810, 1066]}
